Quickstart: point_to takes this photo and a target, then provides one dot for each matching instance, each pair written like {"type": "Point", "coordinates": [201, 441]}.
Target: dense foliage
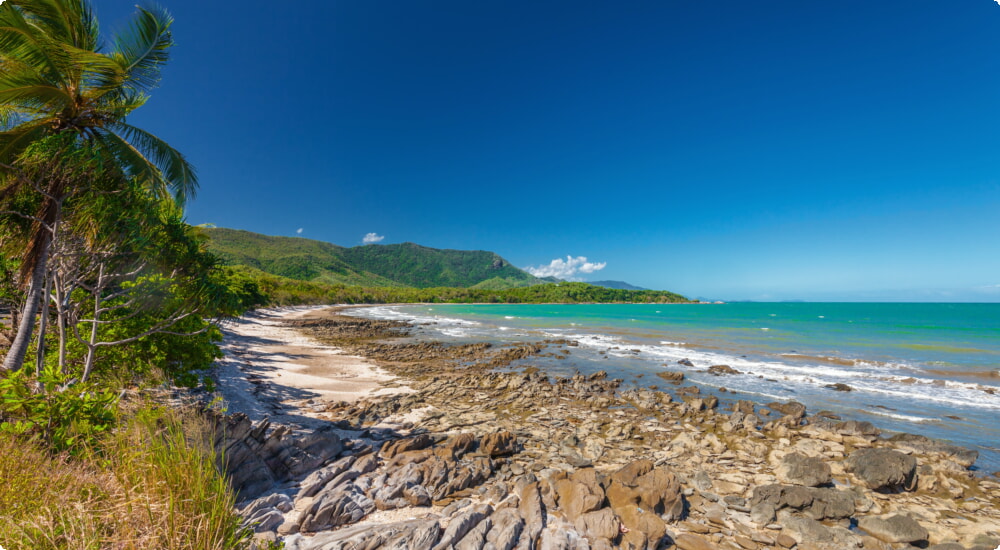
{"type": "Point", "coordinates": [395, 265]}
{"type": "Point", "coordinates": [284, 291]}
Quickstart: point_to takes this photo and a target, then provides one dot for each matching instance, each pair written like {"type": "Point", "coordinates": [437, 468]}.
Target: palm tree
{"type": "Point", "coordinates": [58, 85]}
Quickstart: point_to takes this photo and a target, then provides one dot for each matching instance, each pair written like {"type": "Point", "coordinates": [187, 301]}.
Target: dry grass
{"type": "Point", "coordinates": [153, 486]}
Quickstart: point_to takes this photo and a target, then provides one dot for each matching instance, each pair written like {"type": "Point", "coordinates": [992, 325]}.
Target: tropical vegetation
{"type": "Point", "coordinates": [109, 292]}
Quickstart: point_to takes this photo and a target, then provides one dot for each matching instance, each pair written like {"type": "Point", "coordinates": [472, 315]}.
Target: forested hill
{"type": "Point", "coordinates": [373, 265]}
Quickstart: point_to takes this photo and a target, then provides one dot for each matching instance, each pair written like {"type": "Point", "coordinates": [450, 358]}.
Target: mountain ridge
{"type": "Point", "coordinates": [392, 265]}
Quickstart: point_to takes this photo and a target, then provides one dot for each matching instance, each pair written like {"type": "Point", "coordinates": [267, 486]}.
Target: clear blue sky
{"type": "Point", "coordinates": [730, 149]}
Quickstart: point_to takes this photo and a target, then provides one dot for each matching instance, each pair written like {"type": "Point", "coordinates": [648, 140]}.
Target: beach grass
{"type": "Point", "coordinates": [151, 484]}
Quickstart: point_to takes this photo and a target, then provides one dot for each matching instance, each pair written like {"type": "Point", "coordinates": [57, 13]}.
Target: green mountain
{"type": "Point", "coordinates": [373, 265]}
{"type": "Point", "coordinates": [621, 285]}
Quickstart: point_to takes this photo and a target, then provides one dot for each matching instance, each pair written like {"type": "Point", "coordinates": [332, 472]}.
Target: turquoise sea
{"type": "Point", "coordinates": [932, 369]}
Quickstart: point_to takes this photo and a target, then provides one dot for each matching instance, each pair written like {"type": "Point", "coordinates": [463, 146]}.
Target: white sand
{"type": "Point", "coordinates": [273, 370]}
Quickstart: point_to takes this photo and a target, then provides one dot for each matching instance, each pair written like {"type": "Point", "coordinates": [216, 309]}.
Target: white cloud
{"type": "Point", "coordinates": [566, 269]}
{"type": "Point", "coordinates": [299, 231]}
{"type": "Point", "coordinates": [372, 238]}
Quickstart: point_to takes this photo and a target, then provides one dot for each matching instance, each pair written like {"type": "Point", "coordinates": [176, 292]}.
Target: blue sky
{"type": "Point", "coordinates": [729, 149]}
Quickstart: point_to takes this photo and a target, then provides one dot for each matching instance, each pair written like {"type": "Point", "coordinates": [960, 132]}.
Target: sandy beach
{"type": "Point", "coordinates": [272, 370]}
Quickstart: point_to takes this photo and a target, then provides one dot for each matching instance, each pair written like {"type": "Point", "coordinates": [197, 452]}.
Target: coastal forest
{"type": "Point", "coordinates": [111, 299]}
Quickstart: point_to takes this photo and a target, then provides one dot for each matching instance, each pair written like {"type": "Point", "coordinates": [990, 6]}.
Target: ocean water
{"type": "Point", "coordinates": [932, 369]}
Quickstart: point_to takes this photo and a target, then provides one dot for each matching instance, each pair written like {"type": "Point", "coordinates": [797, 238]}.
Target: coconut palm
{"type": "Point", "coordinates": [59, 86]}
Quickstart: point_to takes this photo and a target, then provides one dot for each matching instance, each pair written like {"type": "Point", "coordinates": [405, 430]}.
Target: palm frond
{"type": "Point", "coordinates": [177, 172]}
{"type": "Point", "coordinates": [25, 89]}
{"type": "Point", "coordinates": [144, 47]}
{"type": "Point", "coordinates": [121, 102]}
{"type": "Point", "coordinates": [23, 43]}
{"type": "Point", "coordinates": [13, 142]}
{"type": "Point", "coordinates": [67, 21]}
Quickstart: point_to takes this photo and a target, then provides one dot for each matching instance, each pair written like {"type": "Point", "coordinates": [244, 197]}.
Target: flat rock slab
{"type": "Point", "coordinates": [896, 528]}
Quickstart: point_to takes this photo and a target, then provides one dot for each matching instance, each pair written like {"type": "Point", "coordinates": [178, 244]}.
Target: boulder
{"type": "Point", "coordinates": [856, 428]}
{"type": "Point", "coordinates": [580, 493]}
{"type": "Point", "coordinates": [817, 503]}
{"type": "Point", "coordinates": [456, 446]}
{"type": "Point", "coordinates": [893, 529]}
{"type": "Point", "coordinates": [498, 444]}
{"type": "Point", "coordinates": [719, 370]}
{"type": "Point", "coordinates": [839, 387]}
{"type": "Point", "coordinates": [601, 524]}
{"type": "Point", "coordinates": [799, 469]}
{"type": "Point", "coordinates": [793, 410]}
{"type": "Point", "coordinates": [673, 377]}
{"type": "Point", "coordinates": [393, 448]}
{"type": "Point", "coordinates": [817, 535]}
{"type": "Point", "coordinates": [883, 469]}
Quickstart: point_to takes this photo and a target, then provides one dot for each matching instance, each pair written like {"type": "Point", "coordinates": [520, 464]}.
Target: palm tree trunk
{"type": "Point", "coordinates": [15, 356]}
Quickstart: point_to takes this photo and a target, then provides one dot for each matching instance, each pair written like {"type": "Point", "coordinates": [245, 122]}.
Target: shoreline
{"type": "Point", "coordinates": [578, 435]}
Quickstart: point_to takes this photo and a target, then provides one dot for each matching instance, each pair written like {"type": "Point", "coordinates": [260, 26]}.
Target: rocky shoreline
{"type": "Point", "coordinates": [482, 457]}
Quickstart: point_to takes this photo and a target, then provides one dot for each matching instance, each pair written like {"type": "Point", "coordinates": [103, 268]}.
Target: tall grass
{"type": "Point", "coordinates": [151, 484]}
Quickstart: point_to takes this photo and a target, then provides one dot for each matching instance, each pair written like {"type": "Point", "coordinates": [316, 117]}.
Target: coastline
{"type": "Point", "coordinates": [507, 438]}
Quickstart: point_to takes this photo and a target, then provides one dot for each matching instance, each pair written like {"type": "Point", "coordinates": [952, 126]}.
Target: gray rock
{"type": "Point", "coordinates": [461, 524]}
{"type": "Point", "coordinates": [793, 411]}
{"type": "Point", "coordinates": [818, 535]}
{"type": "Point", "coordinates": [342, 505]}
{"type": "Point", "coordinates": [926, 445]}
{"type": "Point", "coordinates": [817, 503]}
{"type": "Point", "coordinates": [883, 469]}
{"type": "Point", "coordinates": [799, 469]}
{"type": "Point", "coordinates": [475, 539]}
{"type": "Point", "coordinates": [318, 478]}
{"type": "Point", "coordinates": [894, 529]}
{"type": "Point", "coordinates": [506, 531]}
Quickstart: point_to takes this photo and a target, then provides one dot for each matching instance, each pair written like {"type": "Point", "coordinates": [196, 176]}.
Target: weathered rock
{"type": "Point", "coordinates": [257, 456]}
{"type": "Point", "coordinates": [799, 469]}
{"type": "Point", "coordinates": [894, 528]}
{"type": "Point", "coordinates": [343, 505]}
{"type": "Point", "coordinates": [601, 524]}
{"type": "Point", "coordinates": [839, 387]}
{"type": "Point", "coordinates": [533, 511]}
{"type": "Point", "coordinates": [817, 535]}
{"type": "Point", "coordinates": [688, 541]}
{"type": "Point", "coordinates": [719, 370]}
{"type": "Point", "coordinates": [456, 447]}
{"type": "Point", "coordinates": [498, 444]}
{"type": "Point", "coordinates": [393, 448]}
{"type": "Point", "coordinates": [653, 489]}
{"type": "Point", "coordinates": [792, 410]}
{"type": "Point", "coordinates": [408, 535]}
{"type": "Point", "coordinates": [671, 376]}
{"type": "Point", "coordinates": [856, 428]}
{"type": "Point", "coordinates": [507, 528]}
{"type": "Point", "coordinates": [818, 503]}
{"type": "Point", "coordinates": [580, 493]}
{"type": "Point", "coordinates": [925, 445]}
{"type": "Point", "coordinates": [319, 478]}
{"type": "Point", "coordinates": [462, 524]}
{"type": "Point", "coordinates": [883, 469]}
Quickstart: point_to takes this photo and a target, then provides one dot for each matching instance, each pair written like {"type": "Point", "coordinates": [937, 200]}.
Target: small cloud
{"type": "Point", "coordinates": [372, 238]}
{"type": "Point", "coordinates": [299, 231]}
{"type": "Point", "coordinates": [566, 269]}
